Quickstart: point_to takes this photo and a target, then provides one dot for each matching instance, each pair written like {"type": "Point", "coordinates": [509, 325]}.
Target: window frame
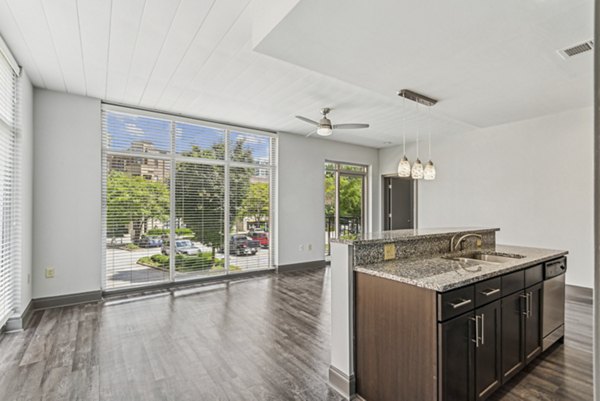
{"type": "Point", "coordinates": [173, 158]}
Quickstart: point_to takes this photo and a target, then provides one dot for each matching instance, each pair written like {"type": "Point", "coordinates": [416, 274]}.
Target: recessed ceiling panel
{"type": "Point", "coordinates": [500, 56]}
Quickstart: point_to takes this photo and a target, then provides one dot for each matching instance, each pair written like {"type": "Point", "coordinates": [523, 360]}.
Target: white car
{"type": "Point", "coordinates": [182, 246]}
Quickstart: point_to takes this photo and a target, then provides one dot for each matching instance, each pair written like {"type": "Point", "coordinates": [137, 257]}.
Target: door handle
{"type": "Point", "coordinates": [476, 340]}
{"type": "Point", "coordinates": [529, 298]}
{"type": "Point", "coordinates": [482, 329]}
{"type": "Point", "coordinates": [490, 291]}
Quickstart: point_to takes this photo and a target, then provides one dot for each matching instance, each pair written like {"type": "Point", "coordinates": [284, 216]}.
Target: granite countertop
{"type": "Point", "coordinates": [441, 274]}
{"type": "Point", "coordinates": [410, 234]}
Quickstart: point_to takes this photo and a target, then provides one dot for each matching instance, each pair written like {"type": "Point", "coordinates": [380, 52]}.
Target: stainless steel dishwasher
{"type": "Point", "coordinates": [553, 317]}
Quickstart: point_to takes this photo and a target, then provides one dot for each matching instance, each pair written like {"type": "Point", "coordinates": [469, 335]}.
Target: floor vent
{"type": "Point", "coordinates": [577, 49]}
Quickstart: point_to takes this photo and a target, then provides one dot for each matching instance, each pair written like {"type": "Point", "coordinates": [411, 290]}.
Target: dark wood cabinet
{"type": "Point", "coordinates": [512, 335]}
{"type": "Point", "coordinates": [457, 345]}
{"type": "Point", "coordinates": [521, 329]}
{"type": "Point", "coordinates": [533, 322]}
{"type": "Point", "coordinates": [470, 352]}
{"type": "Point", "coordinates": [456, 349]}
{"type": "Point", "coordinates": [488, 349]}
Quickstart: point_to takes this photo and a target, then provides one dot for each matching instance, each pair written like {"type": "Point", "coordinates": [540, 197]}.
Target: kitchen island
{"type": "Point", "coordinates": [450, 316]}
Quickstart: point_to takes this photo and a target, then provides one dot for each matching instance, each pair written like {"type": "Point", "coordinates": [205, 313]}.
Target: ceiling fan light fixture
{"type": "Point", "coordinates": [324, 131]}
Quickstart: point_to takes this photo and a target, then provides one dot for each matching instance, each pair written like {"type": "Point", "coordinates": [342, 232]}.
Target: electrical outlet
{"type": "Point", "coordinates": [28, 278]}
{"type": "Point", "coordinates": [389, 251]}
{"type": "Point", "coordinates": [309, 247]}
{"type": "Point", "coordinates": [49, 272]}
{"type": "Point", "coordinates": [301, 248]}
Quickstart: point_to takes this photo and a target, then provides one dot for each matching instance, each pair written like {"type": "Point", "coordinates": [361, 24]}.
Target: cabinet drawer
{"type": "Point", "coordinates": [534, 275]}
{"type": "Point", "coordinates": [456, 302]}
{"type": "Point", "coordinates": [488, 291]}
{"type": "Point", "coordinates": [513, 282]}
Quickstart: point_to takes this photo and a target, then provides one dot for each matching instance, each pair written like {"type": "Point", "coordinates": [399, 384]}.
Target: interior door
{"type": "Point", "coordinates": [398, 203]}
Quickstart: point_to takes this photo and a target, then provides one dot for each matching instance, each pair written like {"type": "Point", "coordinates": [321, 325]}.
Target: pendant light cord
{"type": "Point", "coordinates": [429, 135]}
{"type": "Point", "coordinates": [418, 129]}
{"type": "Point", "coordinates": [404, 125]}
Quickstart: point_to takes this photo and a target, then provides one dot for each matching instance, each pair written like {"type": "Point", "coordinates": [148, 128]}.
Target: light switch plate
{"type": "Point", "coordinates": [389, 251]}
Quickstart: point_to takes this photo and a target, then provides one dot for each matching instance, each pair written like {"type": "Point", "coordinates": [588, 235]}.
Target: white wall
{"type": "Point", "coordinates": [302, 196]}
{"type": "Point", "coordinates": [67, 193]}
{"type": "Point", "coordinates": [533, 179]}
{"type": "Point", "coordinates": [25, 110]}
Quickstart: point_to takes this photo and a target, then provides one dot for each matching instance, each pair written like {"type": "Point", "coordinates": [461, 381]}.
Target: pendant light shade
{"type": "Point", "coordinates": [417, 170]}
{"type": "Point", "coordinates": [429, 171]}
{"type": "Point", "coordinates": [404, 167]}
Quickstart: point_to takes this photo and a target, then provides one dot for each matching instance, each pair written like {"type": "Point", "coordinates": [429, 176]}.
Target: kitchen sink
{"type": "Point", "coordinates": [490, 258]}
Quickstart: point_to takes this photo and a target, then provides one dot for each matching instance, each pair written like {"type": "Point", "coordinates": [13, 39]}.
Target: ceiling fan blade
{"type": "Point", "coordinates": [307, 120]}
{"type": "Point", "coordinates": [310, 133]}
{"type": "Point", "coordinates": [350, 126]}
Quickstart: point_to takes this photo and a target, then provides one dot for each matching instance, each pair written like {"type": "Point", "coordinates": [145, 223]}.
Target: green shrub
{"type": "Point", "coordinates": [202, 261]}
{"type": "Point", "coordinates": [161, 260]}
{"type": "Point", "coordinates": [182, 232]}
{"type": "Point", "coordinates": [131, 247]}
{"type": "Point", "coordinates": [157, 231]}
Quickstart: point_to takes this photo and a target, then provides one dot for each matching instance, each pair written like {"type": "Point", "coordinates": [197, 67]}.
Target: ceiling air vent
{"type": "Point", "coordinates": [577, 49]}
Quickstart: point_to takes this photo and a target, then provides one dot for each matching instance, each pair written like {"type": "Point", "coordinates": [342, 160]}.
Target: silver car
{"type": "Point", "coordinates": [182, 246]}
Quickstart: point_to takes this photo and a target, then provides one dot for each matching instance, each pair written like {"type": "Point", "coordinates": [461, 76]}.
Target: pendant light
{"type": "Point", "coordinates": [404, 165]}
{"type": "Point", "coordinates": [417, 168]}
{"type": "Point", "coordinates": [429, 171]}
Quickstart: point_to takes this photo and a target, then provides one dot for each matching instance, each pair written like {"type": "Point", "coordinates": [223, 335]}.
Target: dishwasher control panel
{"type": "Point", "coordinates": [555, 268]}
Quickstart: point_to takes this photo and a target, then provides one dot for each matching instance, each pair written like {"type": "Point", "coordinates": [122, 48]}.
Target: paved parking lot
{"type": "Point", "coordinates": [123, 270]}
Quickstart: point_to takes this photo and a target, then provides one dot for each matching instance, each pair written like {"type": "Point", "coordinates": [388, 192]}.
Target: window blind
{"type": "Point", "coordinates": [9, 229]}
{"type": "Point", "coordinates": [184, 198]}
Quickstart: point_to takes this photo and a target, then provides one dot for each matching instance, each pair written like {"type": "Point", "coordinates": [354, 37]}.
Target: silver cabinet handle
{"type": "Point", "coordinates": [526, 297]}
{"type": "Point", "coordinates": [490, 291]}
{"type": "Point", "coordinates": [462, 302]}
{"type": "Point", "coordinates": [476, 340]}
{"type": "Point", "coordinates": [482, 329]}
{"type": "Point", "coordinates": [529, 299]}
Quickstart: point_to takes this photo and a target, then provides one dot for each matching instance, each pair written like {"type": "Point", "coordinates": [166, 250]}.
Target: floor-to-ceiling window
{"type": "Point", "coordinates": [345, 201]}
{"type": "Point", "coordinates": [184, 198]}
{"type": "Point", "coordinates": [9, 215]}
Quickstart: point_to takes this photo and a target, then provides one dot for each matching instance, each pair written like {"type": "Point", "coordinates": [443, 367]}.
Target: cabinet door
{"type": "Point", "coordinates": [512, 334]}
{"type": "Point", "coordinates": [533, 322]}
{"type": "Point", "coordinates": [488, 354]}
{"type": "Point", "coordinates": [456, 370]}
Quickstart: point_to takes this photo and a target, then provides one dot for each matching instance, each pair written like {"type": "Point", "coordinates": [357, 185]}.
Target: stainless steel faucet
{"type": "Point", "coordinates": [454, 247]}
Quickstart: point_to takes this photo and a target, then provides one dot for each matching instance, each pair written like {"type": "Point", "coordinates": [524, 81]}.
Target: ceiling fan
{"type": "Point", "coordinates": [324, 126]}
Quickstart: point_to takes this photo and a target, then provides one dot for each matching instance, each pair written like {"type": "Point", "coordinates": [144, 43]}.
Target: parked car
{"type": "Point", "coordinates": [262, 237]}
{"type": "Point", "coordinates": [182, 246]}
{"type": "Point", "coordinates": [242, 244]}
{"type": "Point", "coordinates": [150, 241]}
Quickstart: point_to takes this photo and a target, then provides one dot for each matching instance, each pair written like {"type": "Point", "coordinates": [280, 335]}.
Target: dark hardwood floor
{"type": "Point", "coordinates": [264, 338]}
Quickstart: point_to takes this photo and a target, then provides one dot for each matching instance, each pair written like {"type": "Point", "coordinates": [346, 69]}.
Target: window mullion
{"type": "Point", "coordinates": [226, 235]}
{"type": "Point", "coordinates": [173, 209]}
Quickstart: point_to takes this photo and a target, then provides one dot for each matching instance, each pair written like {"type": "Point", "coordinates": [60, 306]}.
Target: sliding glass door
{"type": "Point", "coordinates": [345, 201]}
{"type": "Point", "coordinates": [184, 199]}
